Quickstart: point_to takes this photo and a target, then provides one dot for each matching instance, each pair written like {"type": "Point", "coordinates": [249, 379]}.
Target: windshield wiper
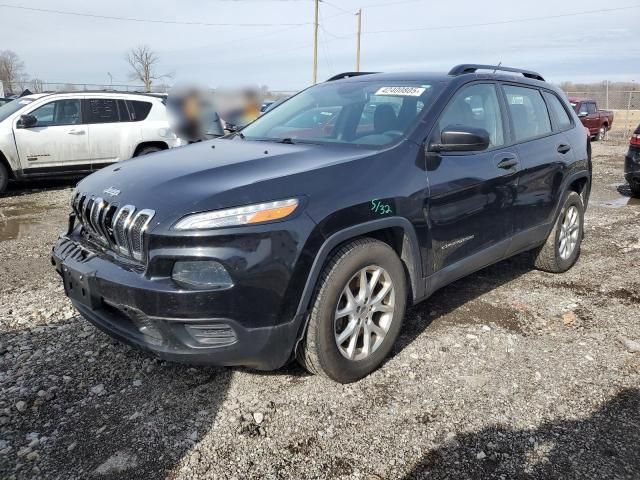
{"type": "Point", "coordinates": [287, 140]}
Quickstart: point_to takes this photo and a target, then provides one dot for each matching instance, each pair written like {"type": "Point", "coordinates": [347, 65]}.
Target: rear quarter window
{"type": "Point", "coordinates": [138, 110]}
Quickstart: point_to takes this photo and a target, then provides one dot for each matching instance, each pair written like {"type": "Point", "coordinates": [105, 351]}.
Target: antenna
{"type": "Point", "coordinates": [499, 63]}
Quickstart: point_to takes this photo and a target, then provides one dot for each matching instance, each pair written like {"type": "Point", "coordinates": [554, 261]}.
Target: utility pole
{"type": "Point", "coordinates": [315, 44]}
{"type": "Point", "coordinates": [359, 15]}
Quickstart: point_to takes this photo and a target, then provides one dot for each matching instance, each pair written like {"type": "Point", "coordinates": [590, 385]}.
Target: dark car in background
{"type": "Point", "coordinates": [306, 235]}
{"type": "Point", "coordinates": [632, 163]}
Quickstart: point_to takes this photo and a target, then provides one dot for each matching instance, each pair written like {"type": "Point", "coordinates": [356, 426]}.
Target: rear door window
{"type": "Point", "coordinates": [528, 112]}
{"type": "Point", "coordinates": [591, 108]}
{"type": "Point", "coordinates": [102, 110]}
{"type": "Point", "coordinates": [559, 113]}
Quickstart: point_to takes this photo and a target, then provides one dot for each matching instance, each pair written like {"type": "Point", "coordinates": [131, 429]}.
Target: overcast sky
{"type": "Point", "coordinates": [75, 49]}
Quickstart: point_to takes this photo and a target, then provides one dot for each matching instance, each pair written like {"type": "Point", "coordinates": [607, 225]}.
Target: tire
{"type": "Point", "coordinates": [147, 151]}
{"type": "Point", "coordinates": [550, 257]}
{"type": "Point", "coordinates": [4, 178]}
{"type": "Point", "coordinates": [318, 351]}
{"type": "Point", "coordinates": [602, 133]}
{"type": "Point", "coordinates": [634, 186]}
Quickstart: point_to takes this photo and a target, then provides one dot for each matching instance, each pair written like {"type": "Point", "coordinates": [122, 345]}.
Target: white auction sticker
{"type": "Point", "coordinates": [401, 91]}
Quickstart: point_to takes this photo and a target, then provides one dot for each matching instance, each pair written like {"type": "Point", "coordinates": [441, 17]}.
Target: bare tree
{"type": "Point", "coordinates": [36, 85]}
{"type": "Point", "coordinates": [11, 70]}
{"type": "Point", "coordinates": [143, 62]}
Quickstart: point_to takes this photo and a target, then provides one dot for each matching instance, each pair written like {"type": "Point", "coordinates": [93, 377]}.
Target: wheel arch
{"type": "Point", "coordinates": [5, 162]}
{"type": "Point", "coordinates": [156, 143]}
{"type": "Point", "coordinates": [397, 232]}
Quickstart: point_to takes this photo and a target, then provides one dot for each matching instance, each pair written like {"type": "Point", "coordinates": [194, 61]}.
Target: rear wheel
{"type": "Point", "coordinates": [357, 312]}
{"type": "Point", "coordinates": [148, 150]}
{"type": "Point", "coordinates": [635, 188]}
{"type": "Point", "coordinates": [562, 248]}
{"type": "Point", "coordinates": [4, 178]}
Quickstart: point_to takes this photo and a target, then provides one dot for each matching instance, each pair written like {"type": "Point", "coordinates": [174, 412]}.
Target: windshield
{"type": "Point", "coordinates": [356, 113]}
{"type": "Point", "coordinates": [10, 108]}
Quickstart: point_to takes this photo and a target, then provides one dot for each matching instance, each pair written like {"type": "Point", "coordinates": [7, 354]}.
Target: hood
{"type": "Point", "coordinates": [212, 175]}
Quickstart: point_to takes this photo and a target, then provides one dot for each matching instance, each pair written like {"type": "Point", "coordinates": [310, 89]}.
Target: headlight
{"type": "Point", "coordinates": [232, 217]}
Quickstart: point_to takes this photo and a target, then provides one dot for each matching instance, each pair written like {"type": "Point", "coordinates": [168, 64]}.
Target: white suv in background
{"type": "Point", "coordinates": [70, 134]}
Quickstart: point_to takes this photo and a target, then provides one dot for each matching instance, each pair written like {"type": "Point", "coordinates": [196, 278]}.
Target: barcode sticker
{"type": "Point", "coordinates": [401, 91]}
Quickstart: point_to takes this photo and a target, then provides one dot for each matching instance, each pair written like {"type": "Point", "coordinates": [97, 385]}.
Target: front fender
{"type": "Point", "coordinates": [410, 255]}
{"type": "Point", "coordinates": [8, 150]}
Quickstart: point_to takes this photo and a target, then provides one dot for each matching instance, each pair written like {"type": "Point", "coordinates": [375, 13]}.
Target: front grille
{"type": "Point", "coordinates": [118, 228]}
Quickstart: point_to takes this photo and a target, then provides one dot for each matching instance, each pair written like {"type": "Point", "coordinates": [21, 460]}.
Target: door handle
{"type": "Point", "coordinates": [563, 148]}
{"type": "Point", "coordinates": [508, 162]}
{"type": "Point", "coordinates": [76, 132]}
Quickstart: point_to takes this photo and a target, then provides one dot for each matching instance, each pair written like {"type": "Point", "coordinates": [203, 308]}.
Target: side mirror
{"type": "Point", "coordinates": [27, 121]}
{"type": "Point", "coordinates": [582, 114]}
{"type": "Point", "coordinates": [462, 139]}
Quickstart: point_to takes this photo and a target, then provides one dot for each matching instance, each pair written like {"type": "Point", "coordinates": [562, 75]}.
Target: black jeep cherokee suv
{"type": "Point", "coordinates": [307, 234]}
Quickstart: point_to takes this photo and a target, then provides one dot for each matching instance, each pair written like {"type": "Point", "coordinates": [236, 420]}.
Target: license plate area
{"type": "Point", "coordinates": [77, 284]}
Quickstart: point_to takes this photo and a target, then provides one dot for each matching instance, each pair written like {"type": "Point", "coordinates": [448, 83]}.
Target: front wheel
{"type": "Point", "coordinates": [562, 248]}
{"type": "Point", "coordinates": [634, 185]}
{"type": "Point", "coordinates": [602, 133]}
{"type": "Point", "coordinates": [357, 312]}
{"type": "Point", "coordinates": [4, 178]}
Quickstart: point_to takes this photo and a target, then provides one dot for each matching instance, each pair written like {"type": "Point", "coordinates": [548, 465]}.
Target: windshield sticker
{"type": "Point", "coordinates": [401, 91]}
{"type": "Point", "coordinates": [381, 208]}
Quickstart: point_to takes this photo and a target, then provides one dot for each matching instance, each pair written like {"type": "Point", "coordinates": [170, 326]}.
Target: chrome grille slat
{"type": "Point", "coordinates": [122, 229]}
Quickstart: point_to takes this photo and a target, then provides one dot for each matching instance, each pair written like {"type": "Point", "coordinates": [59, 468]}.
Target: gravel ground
{"type": "Point", "coordinates": [510, 373]}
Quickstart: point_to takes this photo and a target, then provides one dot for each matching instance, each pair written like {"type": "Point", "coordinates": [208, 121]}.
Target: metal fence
{"type": "Point", "coordinates": [625, 105]}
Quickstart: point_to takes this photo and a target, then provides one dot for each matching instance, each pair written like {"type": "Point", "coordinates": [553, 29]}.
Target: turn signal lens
{"type": "Point", "coordinates": [635, 139]}
{"type": "Point", "coordinates": [232, 217]}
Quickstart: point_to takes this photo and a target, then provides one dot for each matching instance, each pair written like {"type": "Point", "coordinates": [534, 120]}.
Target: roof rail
{"type": "Point", "coordinates": [471, 68]}
{"type": "Point", "coordinates": [107, 90]}
{"type": "Point", "coordinates": [340, 76]}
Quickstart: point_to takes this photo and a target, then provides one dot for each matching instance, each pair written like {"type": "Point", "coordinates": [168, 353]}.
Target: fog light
{"type": "Point", "coordinates": [217, 335]}
{"type": "Point", "coordinates": [203, 274]}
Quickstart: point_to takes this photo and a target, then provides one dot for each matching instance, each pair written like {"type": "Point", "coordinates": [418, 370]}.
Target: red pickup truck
{"type": "Point", "coordinates": [597, 121]}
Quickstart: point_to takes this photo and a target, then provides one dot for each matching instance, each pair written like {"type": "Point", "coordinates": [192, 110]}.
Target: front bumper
{"type": "Point", "coordinates": [158, 316]}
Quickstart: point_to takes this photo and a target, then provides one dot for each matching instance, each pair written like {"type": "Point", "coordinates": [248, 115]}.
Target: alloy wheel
{"type": "Point", "coordinates": [569, 231]}
{"type": "Point", "coordinates": [364, 312]}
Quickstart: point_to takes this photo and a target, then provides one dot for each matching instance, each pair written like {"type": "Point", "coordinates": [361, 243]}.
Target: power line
{"type": "Point", "coordinates": [445, 27]}
{"type": "Point", "coordinates": [350, 12]}
{"type": "Point", "coordinates": [502, 22]}
{"type": "Point", "coordinates": [377, 5]}
{"type": "Point", "coordinates": [324, 46]}
{"type": "Point", "coordinates": [146, 20]}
